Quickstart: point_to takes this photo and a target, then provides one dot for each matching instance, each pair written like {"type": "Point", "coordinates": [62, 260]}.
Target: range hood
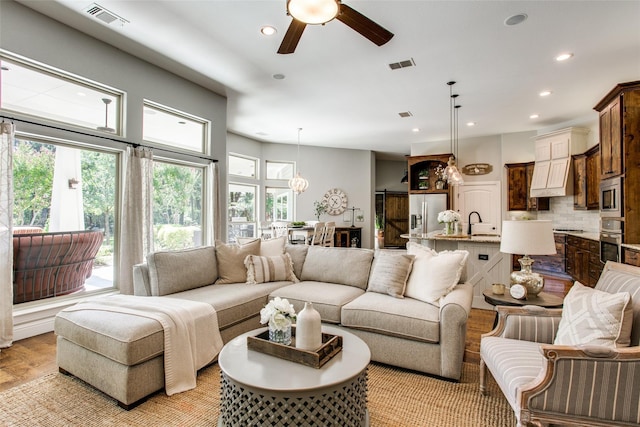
{"type": "Point", "coordinates": [552, 171]}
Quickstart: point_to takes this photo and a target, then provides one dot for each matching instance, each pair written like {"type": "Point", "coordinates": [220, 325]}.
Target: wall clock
{"type": "Point", "coordinates": [336, 201]}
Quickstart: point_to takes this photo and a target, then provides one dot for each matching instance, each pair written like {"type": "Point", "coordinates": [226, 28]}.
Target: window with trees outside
{"type": "Point", "coordinates": [242, 211]}
{"type": "Point", "coordinates": [278, 204]}
{"type": "Point", "coordinates": [63, 193]}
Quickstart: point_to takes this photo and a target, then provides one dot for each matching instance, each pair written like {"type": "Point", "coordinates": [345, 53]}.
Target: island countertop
{"type": "Point", "coordinates": [437, 235]}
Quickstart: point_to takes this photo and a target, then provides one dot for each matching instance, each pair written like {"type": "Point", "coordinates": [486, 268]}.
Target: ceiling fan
{"type": "Point", "coordinates": [315, 12]}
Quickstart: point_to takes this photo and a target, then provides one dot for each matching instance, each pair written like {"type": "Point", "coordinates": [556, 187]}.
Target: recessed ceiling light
{"type": "Point", "coordinates": [471, 123]}
{"type": "Point", "coordinates": [564, 56]}
{"type": "Point", "coordinates": [416, 130]}
{"type": "Point", "coordinates": [278, 76]}
{"type": "Point", "coordinates": [545, 93]}
{"type": "Point", "coordinates": [534, 116]}
{"type": "Point", "coordinates": [516, 19]}
{"type": "Point", "coordinates": [268, 30]}
{"type": "Point", "coordinates": [81, 94]}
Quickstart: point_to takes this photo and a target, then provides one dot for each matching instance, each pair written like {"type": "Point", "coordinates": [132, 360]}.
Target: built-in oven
{"type": "Point", "coordinates": [610, 239]}
{"type": "Point", "coordinates": [611, 198]}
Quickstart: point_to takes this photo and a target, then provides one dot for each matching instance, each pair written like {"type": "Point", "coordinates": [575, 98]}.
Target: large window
{"type": "Point", "coordinates": [279, 170]}
{"type": "Point", "coordinates": [242, 211]}
{"type": "Point", "coordinates": [243, 166]}
{"type": "Point", "coordinates": [278, 204]}
{"type": "Point", "coordinates": [177, 205]}
{"type": "Point", "coordinates": [60, 193]}
{"type": "Point", "coordinates": [173, 128]}
{"type": "Point", "coordinates": [42, 92]}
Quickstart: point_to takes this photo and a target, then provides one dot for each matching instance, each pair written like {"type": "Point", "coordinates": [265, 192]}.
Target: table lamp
{"type": "Point", "coordinates": [529, 238]}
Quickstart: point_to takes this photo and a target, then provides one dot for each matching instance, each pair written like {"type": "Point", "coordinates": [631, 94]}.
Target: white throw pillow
{"type": "Point", "coordinates": [262, 269]}
{"type": "Point", "coordinates": [389, 273]}
{"type": "Point", "coordinates": [434, 274]}
{"type": "Point", "coordinates": [594, 317]}
{"type": "Point", "coordinates": [269, 247]}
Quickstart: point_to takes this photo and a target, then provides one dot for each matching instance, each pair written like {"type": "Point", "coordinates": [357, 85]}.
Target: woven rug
{"type": "Point", "coordinates": [396, 398]}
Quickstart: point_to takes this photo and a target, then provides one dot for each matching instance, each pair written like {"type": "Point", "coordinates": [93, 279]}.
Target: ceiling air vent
{"type": "Point", "coordinates": [402, 64]}
{"type": "Point", "coordinates": [405, 114]}
{"type": "Point", "coordinates": [103, 14]}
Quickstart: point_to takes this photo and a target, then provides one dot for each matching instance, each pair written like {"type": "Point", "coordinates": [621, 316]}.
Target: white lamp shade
{"type": "Point", "coordinates": [313, 11]}
{"type": "Point", "coordinates": [527, 238]}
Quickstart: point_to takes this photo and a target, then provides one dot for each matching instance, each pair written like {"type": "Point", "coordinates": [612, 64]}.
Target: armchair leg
{"type": "Point", "coordinates": [483, 373]}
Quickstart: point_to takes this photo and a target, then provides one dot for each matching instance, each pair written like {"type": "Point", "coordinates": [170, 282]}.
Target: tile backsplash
{"type": "Point", "coordinates": [563, 216]}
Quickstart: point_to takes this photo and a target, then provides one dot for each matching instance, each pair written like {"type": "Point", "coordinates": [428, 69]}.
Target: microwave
{"type": "Point", "coordinates": [611, 198]}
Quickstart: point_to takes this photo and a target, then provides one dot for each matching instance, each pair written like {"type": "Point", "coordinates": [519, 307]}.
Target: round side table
{"type": "Point", "coordinates": [543, 299]}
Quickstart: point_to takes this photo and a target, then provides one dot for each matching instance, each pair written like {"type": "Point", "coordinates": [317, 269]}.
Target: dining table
{"type": "Point", "coordinates": [300, 234]}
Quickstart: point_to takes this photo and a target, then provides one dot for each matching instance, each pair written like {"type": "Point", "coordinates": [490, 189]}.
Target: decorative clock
{"type": "Point", "coordinates": [336, 201]}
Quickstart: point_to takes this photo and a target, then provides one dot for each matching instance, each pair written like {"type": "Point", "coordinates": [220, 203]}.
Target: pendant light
{"type": "Point", "coordinates": [106, 127]}
{"type": "Point", "coordinates": [298, 184]}
{"type": "Point", "coordinates": [454, 177]}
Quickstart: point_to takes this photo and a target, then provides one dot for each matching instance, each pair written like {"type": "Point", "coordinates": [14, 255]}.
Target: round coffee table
{"type": "Point", "coordinates": [264, 390]}
{"type": "Point", "coordinates": [543, 299]}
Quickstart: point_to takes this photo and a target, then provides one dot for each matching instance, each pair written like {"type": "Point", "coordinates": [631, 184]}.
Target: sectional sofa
{"type": "Point", "coordinates": [408, 306]}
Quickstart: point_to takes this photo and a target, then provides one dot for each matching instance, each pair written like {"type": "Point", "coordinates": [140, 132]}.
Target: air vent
{"type": "Point", "coordinates": [402, 64]}
{"type": "Point", "coordinates": [104, 15]}
{"type": "Point", "coordinates": [405, 114]}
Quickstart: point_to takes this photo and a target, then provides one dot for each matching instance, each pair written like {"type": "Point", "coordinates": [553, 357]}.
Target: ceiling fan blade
{"type": "Point", "coordinates": [363, 25]}
{"type": "Point", "coordinates": [292, 37]}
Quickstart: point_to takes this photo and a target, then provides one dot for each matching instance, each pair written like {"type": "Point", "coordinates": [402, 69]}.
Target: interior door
{"type": "Point", "coordinates": [484, 198]}
{"type": "Point", "coordinates": [396, 208]}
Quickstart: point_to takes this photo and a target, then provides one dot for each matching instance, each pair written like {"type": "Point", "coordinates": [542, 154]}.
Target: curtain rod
{"type": "Point", "coordinates": [121, 141]}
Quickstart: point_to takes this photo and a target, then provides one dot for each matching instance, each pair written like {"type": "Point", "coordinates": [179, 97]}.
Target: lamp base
{"type": "Point", "coordinates": [534, 282]}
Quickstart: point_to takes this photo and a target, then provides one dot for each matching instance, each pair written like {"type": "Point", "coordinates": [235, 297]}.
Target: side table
{"type": "Point", "coordinates": [543, 299]}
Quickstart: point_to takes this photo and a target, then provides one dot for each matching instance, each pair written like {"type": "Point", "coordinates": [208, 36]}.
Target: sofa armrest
{"type": "Point", "coordinates": [454, 313]}
{"type": "Point", "coordinates": [585, 386]}
{"type": "Point", "coordinates": [141, 285]}
{"type": "Point", "coordinates": [527, 323]}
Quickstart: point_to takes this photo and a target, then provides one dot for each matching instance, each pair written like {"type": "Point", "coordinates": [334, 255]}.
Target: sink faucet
{"type": "Point", "coordinates": [469, 221]}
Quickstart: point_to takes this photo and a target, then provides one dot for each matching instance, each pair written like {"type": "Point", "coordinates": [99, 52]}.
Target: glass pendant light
{"type": "Point", "coordinates": [451, 172]}
{"type": "Point", "coordinates": [298, 184]}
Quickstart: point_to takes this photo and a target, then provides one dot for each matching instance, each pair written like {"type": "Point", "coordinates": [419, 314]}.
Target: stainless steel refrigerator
{"type": "Point", "coordinates": [423, 212]}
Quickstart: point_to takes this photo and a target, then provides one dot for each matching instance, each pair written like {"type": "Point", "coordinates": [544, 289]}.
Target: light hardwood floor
{"type": "Point", "coordinates": [34, 357]}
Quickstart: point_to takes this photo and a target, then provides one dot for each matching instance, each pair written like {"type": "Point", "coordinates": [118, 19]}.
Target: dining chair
{"type": "Point", "coordinates": [318, 233]}
{"type": "Point", "coordinates": [329, 231]}
{"type": "Point", "coordinates": [279, 228]}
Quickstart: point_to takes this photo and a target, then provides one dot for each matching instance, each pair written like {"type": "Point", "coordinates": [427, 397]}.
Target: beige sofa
{"type": "Point", "coordinates": [122, 355]}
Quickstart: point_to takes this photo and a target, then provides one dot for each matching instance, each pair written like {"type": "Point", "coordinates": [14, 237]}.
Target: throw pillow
{"type": "Point", "coordinates": [172, 271]}
{"type": "Point", "coordinates": [389, 273]}
{"type": "Point", "coordinates": [231, 258]}
{"type": "Point", "coordinates": [268, 247]}
{"type": "Point", "coordinates": [434, 274]}
{"type": "Point", "coordinates": [594, 317]}
{"type": "Point", "coordinates": [262, 269]}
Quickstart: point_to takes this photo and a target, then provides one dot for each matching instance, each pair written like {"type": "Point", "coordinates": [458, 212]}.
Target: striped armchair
{"type": "Point", "coordinates": [569, 385]}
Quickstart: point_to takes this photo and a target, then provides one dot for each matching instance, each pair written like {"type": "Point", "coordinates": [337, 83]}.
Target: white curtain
{"type": "Point", "coordinates": [136, 218]}
{"type": "Point", "coordinates": [7, 134]}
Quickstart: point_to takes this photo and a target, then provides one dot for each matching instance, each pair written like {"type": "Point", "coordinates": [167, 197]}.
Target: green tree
{"type": "Point", "coordinates": [177, 194]}
{"type": "Point", "coordinates": [33, 165]}
{"type": "Point", "coordinates": [99, 189]}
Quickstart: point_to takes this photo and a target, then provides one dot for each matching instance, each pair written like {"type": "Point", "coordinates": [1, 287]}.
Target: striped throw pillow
{"type": "Point", "coordinates": [262, 269]}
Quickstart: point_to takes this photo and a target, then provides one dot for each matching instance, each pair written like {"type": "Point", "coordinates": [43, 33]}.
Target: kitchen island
{"type": "Point", "coordinates": [486, 264]}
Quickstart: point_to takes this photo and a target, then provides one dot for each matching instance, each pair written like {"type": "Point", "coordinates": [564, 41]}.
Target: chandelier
{"type": "Point", "coordinates": [454, 177]}
{"type": "Point", "coordinates": [298, 184]}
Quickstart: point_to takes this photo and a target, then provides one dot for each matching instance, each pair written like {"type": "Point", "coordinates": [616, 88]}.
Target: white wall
{"type": "Point", "coordinates": [388, 175]}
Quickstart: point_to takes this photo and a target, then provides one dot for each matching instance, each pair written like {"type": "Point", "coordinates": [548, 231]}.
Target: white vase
{"type": "Point", "coordinates": [308, 328]}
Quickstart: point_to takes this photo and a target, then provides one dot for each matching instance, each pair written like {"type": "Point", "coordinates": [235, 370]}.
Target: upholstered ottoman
{"type": "Point", "coordinates": [119, 354]}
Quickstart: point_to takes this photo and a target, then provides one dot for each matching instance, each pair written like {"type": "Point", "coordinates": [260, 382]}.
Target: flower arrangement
{"type": "Point", "coordinates": [449, 216]}
{"type": "Point", "coordinates": [278, 313]}
{"type": "Point", "coordinates": [319, 208]}
{"type": "Point", "coordinates": [439, 172]}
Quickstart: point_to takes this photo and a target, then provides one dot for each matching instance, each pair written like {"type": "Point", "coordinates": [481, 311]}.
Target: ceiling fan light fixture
{"type": "Point", "coordinates": [313, 12]}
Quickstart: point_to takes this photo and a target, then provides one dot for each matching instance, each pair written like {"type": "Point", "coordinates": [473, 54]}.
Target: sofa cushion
{"type": "Point", "coordinates": [345, 266]}
{"type": "Point", "coordinates": [231, 261]}
{"type": "Point", "coordinates": [298, 254]}
{"type": "Point", "coordinates": [268, 247]}
{"type": "Point", "coordinates": [593, 317]}
{"type": "Point", "coordinates": [513, 363]}
{"type": "Point", "coordinates": [174, 271]}
{"type": "Point", "coordinates": [404, 318]}
{"type": "Point", "coordinates": [389, 273]}
{"type": "Point", "coordinates": [261, 269]}
{"type": "Point", "coordinates": [235, 302]}
{"type": "Point", "coordinates": [434, 274]}
{"type": "Point", "coordinates": [327, 298]}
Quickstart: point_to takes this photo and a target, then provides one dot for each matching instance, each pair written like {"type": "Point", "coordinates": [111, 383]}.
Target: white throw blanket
{"type": "Point", "coordinates": [191, 334]}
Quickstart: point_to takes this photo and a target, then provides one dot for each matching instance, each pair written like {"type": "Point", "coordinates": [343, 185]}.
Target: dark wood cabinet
{"type": "Point", "coordinates": [631, 256]}
{"type": "Point", "coordinates": [519, 177]}
{"type": "Point", "coordinates": [583, 260]}
{"type": "Point", "coordinates": [423, 177]}
{"type": "Point", "coordinates": [586, 179]}
{"type": "Point", "coordinates": [620, 149]}
{"type": "Point", "coordinates": [344, 237]}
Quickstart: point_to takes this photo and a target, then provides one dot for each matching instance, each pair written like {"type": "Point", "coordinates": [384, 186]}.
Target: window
{"type": "Point", "coordinates": [42, 92]}
{"type": "Point", "coordinates": [243, 166]}
{"type": "Point", "coordinates": [279, 170]}
{"type": "Point", "coordinates": [63, 188]}
{"type": "Point", "coordinates": [242, 211]}
{"type": "Point", "coordinates": [278, 204]}
{"type": "Point", "coordinates": [177, 205]}
{"type": "Point", "coordinates": [166, 126]}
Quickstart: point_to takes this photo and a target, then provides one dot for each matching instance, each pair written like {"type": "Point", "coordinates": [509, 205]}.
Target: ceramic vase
{"type": "Point", "coordinates": [308, 328]}
{"type": "Point", "coordinates": [281, 335]}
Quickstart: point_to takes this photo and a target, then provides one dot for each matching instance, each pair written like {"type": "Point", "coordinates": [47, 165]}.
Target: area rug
{"type": "Point", "coordinates": [396, 398]}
